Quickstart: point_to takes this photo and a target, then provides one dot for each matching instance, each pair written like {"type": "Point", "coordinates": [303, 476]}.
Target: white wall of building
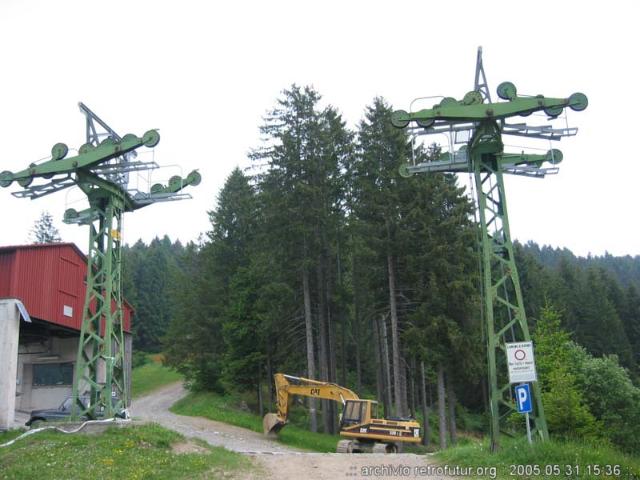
{"type": "Point", "coordinates": [54, 350]}
{"type": "Point", "coordinates": [9, 333]}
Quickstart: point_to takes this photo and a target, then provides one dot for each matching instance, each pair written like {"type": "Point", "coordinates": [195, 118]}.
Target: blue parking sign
{"type": "Point", "coordinates": [523, 398]}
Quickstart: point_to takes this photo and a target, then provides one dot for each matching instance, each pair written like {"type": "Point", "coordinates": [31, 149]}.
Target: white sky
{"type": "Point", "coordinates": [205, 73]}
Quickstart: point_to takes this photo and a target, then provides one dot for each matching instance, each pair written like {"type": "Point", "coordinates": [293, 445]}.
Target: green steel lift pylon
{"type": "Point", "coordinates": [483, 123]}
{"type": "Point", "coordinates": [101, 171]}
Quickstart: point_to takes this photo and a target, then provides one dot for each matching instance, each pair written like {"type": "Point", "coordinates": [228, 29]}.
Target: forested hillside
{"type": "Point", "coordinates": [599, 309]}
{"type": "Point", "coordinates": [147, 286]}
{"type": "Point", "coordinates": [322, 261]}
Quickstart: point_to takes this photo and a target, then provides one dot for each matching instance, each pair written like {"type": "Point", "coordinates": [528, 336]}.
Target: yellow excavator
{"type": "Point", "coordinates": [364, 432]}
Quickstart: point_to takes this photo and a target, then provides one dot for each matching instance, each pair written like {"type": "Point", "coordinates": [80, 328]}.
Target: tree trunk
{"type": "Point", "coordinates": [343, 348]}
{"type": "Point", "coordinates": [356, 327]}
{"type": "Point", "coordinates": [379, 372]}
{"type": "Point", "coordinates": [260, 403]}
{"type": "Point", "coordinates": [323, 355]}
{"type": "Point", "coordinates": [451, 396]}
{"type": "Point", "coordinates": [356, 334]}
{"type": "Point", "coordinates": [270, 380]}
{"type": "Point", "coordinates": [412, 388]}
{"type": "Point", "coordinates": [384, 343]}
{"type": "Point", "coordinates": [442, 416]}
{"type": "Point", "coordinates": [311, 364]}
{"type": "Point", "coordinates": [485, 394]}
{"type": "Point", "coordinates": [331, 338]}
{"type": "Point", "coordinates": [342, 319]}
{"type": "Point", "coordinates": [426, 426]}
{"type": "Point", "coordinates": [395, 342]}
{"type": "Point", "coordinates": [403, 387]}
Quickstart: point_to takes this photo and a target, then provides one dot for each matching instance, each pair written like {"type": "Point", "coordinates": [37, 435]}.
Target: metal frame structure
{"type": "Point", "coordinates": [101, 170]}
{"type": "Point", "coordinates": [504, 317]}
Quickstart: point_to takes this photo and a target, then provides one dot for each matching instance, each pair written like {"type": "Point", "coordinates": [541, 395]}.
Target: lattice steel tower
{"type": "Point", "coordinates": [478, 124]}
{"type": "Point", "coordinates": [101, 170]}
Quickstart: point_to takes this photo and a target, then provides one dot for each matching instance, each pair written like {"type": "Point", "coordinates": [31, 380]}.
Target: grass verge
{"type": "Point", "coordinates": [225, 409]}
{"type": "Point", "coordinates": [553, 459]}
{"type": "Point", "coordinates": [151, 376]}
{"type": "Point", "coordinates": [140, 452]}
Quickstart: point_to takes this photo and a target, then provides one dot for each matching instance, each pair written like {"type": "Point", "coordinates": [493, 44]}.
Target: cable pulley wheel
{"type": "Point", "coordinates": [404, 171]}
{"type": "Point", "coordinates": [87, 147]}
{"type": "Point", "coordinates": [59, 151]}
{"type": "Point", "coordinates": [425, 123]}
{"type": "Point", "coordinates": [194, 178]}
{"type": "Point", "coordinates": [175, 181]}
{"type": "Point", "coordinates": [448, 102]}
{"type": "Point", "coordinates": [554, 156]}
{"type": "Point", "coordinates": [157, 188]}
{"type": "Point", "coordinates": [578, 101]}
{"type": "Point", "coordinates": [472, 98]}
{"type": "Point", "coordinates": [553, 111]}
{"type": "Point", "coordinates": [6, 178]}
{"type": "Point", "coordinates": [70, 214]}
{"type": "Point", "coordinates": [400, 119]}
{"type": "Point", "coordinates": [25, 182]}
{"type": "Point", "coordinates": [151, 138]}
{"type": "Point", "coordinates": [507, 91]}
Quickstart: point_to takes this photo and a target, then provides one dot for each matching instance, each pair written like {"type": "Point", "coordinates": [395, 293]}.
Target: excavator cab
{"type": "Point", "coordinates": [358, 411]}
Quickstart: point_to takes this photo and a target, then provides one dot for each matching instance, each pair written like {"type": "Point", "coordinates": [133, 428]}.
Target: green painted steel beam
{"type": "Point", "coordinates": [459, 161]}
{"type": "Point", "coordinates": [88, 156]}
{"type": "Point", "coordinates": [471, 109]}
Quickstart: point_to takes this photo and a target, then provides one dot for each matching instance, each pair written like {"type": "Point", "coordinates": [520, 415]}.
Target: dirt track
{"type": "Point", "coordinates": [155, 408]}
{"type": "Point", "coordinates": [277, 461]}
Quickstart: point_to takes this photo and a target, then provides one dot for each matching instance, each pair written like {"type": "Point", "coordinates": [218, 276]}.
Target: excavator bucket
{"type": "Point", "coordinates": [272, 424]}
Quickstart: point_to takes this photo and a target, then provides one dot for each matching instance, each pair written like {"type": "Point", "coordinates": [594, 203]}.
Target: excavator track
{"type": "Point", "coordinates": [345, 446]}
{"type": "Point", "coordinates": [384, 448]}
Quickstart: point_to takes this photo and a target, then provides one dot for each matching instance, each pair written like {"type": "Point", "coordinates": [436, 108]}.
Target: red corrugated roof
{"type": "Point", "coordinates": [44, 245]}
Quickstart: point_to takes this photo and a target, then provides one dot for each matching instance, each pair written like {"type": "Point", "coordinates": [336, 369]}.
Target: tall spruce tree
{"type": "Point", "coordinates": [302, 205]}
{"type": "Point", "coordinates": [376, 191]}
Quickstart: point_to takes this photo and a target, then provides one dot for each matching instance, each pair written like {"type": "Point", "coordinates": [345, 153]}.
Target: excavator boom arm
{"type": "Point", "coordinates": [288, 386]}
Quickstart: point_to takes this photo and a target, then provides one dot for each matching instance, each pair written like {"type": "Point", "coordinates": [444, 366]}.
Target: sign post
{"type": "Point", "coordinates": [522, 369]}
{"type": "Point", "coordinates": [524, 404]}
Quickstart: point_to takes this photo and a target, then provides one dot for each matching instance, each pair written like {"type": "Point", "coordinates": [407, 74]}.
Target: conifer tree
{"type": "Point", "coordinates": [44, 230]}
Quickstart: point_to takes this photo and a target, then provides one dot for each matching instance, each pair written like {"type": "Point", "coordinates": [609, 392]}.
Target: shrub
{"type": "Point", "coordinates": [139, 359]}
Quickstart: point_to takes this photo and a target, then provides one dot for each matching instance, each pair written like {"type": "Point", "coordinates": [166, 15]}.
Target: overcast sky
{"type": "Point", "coordinates": [205, 73]}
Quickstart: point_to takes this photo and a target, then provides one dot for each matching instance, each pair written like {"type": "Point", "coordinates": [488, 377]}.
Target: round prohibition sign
{"type": "Point", "coordinates": [519, 355]}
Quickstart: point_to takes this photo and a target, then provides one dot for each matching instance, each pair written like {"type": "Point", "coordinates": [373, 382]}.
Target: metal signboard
{"type": "Point", "coordinates": [523, 398]}
{"type": "Point", "coordinates": [522, 366]}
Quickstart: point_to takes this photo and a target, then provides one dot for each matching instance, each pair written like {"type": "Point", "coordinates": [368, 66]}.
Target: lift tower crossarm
{"type": "Point", "coordinates": [471, 108]}
{"type": "Point", "coordinates": [87, 157]}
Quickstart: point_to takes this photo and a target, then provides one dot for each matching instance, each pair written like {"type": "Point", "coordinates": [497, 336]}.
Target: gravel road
{"type": "Point", "coordinates": [276, 461]}
{"type": "Point", "coordinates": [155, 407]}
